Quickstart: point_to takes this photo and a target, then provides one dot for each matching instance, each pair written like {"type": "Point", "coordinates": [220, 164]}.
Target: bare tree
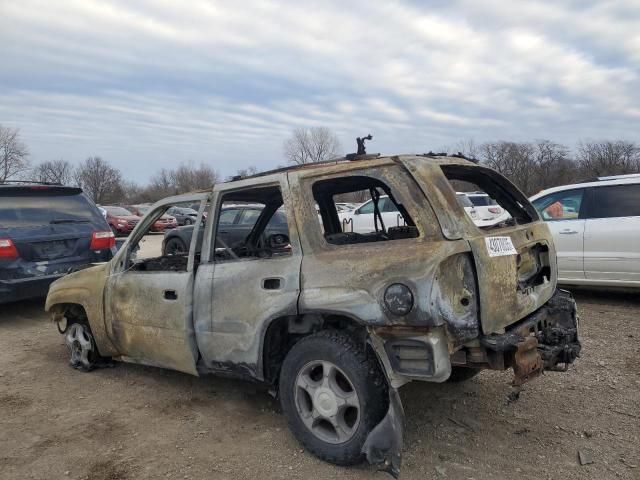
{"type": "Point", "coordinates": [188, 177]}
{"type": "Point", "coordinates": [101, 181]}
{"type": "Point", "coordinates": [513, 160]}
{"type": "Point", "coordinates": [314, 144]}
{"type": "Point", "coordinates": [13, 153]}
{"type": "Point", "coordinates": [243, 172]}
{"type": "Point", "coordinates": [54, 171]}
{"type": "Point", "coordinates": [531, 166]}
{"type": "Point", "coordinates": [185, 178]}
{"type": "Point", "coordinates": [608, 158]}
{"type": "Point", "coordinates": [469, 148]}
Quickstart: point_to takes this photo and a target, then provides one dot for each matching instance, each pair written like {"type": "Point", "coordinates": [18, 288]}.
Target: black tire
{"type": "Point", "coordinates": [188, 221]}
{"type": "Point", "coordinates": [362, 371]}
{"type": "Point", "coordinates": [174, 246]}
{"type": "Point", "coordinates": [461, 374]}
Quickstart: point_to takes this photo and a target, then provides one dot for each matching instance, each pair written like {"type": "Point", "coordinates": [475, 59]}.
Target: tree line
{"type": "Point", "coordinates": [532, 166]}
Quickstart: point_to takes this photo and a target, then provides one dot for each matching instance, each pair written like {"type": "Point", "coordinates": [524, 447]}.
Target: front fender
{"type": "Point", "coordinates": [85, 288]}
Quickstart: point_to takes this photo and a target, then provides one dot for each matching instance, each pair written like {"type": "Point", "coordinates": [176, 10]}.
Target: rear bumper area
{"type": "Point", "coordinates": [21, 289]}
{"type": "Point", "coordinates": [545, 340]}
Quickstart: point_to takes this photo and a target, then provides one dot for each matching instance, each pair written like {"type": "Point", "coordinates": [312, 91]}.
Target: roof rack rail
{"type": "Point", "coordinates": [30, 182]}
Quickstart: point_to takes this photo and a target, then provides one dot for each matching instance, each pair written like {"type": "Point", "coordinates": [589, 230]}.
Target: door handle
{"type": "Point", "coordinates": [170, 295]}
{"type": "Point", "coordinates": [271, 283]}
{"type": "Point", "coordinates": [568, 232]}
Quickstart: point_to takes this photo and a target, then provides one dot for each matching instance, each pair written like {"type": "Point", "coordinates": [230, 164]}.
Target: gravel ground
{"type": "Point", "coordinates": [134, 422]}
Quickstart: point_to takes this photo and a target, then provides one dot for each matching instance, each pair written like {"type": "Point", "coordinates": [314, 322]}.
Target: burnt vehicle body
{"type": "Point", "coordinates": [46, 230]}
{"type": "Point", "coordinates": [235, 224]}
{"type": "Point", "coordinates": [336, 321]}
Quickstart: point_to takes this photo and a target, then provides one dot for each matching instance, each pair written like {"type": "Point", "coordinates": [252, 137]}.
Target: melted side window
{"type": "Point", "coordinates": [491, 201]}
{"type": "Point", "coordinates": [379, 217]}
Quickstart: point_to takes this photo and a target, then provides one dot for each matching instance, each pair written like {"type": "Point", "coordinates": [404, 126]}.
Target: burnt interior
{"type": "Point", "coordinates": [324, 193]}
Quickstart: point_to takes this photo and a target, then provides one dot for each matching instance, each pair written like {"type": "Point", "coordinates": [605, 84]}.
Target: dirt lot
{"type": "Point", "coordinates": [132, 422]}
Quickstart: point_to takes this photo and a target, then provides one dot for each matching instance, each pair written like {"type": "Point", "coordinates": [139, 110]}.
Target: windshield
{"type": "Point", "coordinates": [26, 211]}
{"type": "Point", "coordinates": [118, 211]}
{"type": "Point", "coordinates": [143, 210]}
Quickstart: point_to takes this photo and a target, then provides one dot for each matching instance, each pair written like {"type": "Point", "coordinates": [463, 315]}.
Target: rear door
{"type": "Point", "coordinates": [564, 213]}
{"type": "Point", "coordinates": [612, 233]}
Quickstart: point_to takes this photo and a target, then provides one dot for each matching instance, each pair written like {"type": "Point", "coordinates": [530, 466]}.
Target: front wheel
{"type": "Point", "coordinates": [333, 394]}
{"type": "Point", "coordinates": [188, 221]}
{"type": "Point", "coordinates": [82, 347]}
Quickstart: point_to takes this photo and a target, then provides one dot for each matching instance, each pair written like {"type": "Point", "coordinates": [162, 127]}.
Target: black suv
{"type": "Point", "coordinates": [46, 230]}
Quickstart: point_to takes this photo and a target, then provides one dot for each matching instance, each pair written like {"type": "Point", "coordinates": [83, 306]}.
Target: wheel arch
{"type": "Point", "coordinates": [281, 333]}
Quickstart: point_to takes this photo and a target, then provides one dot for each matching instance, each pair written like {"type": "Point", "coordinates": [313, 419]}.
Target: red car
{"type": "Point", "coordinates": [165, 222]}
{"type": "Point", "coordinates": [121, 220]}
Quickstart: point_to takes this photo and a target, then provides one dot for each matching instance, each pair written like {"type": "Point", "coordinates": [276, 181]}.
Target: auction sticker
{"type": "Point", "coordinates": [500, 246]}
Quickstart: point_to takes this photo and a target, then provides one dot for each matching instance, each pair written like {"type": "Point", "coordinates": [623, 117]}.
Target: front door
{"type": "Point", "coordinates": [254, 281]}
{"type": "Point", "coordinates": [149, 299]}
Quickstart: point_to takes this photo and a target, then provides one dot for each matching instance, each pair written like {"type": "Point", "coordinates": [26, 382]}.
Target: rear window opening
{"type": "Point", "coordinates": [379, 217]}
{"type": "Point", "coordinates": [487, 198]}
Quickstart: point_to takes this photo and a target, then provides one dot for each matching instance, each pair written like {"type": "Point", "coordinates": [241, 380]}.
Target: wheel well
{"type": "Point", "coordinates": [73, 312]}
{"type": "Point", "coordinates": [284, 332]}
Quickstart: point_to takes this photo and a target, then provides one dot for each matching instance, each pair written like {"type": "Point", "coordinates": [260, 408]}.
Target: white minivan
{"type": "Point", "coordinates": [596, 230]}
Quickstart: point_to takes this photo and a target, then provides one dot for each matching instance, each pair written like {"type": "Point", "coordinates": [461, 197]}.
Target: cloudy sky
{"type": "Point", "coordinates": [148, 84]}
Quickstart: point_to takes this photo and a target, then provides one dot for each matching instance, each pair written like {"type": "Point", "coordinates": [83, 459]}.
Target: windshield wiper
{"type": "Point", "coordinates": [68, 220]}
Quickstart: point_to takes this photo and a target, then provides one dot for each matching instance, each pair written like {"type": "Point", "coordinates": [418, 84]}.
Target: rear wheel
{"type": "Point", "coordinates": [188, 221]}
{"type": "Point", "coordinates": [333, 394]}
{"type": "Point", "coordinates": [174, 246]}
{"type": "Point", "coordinates": [461, 374]}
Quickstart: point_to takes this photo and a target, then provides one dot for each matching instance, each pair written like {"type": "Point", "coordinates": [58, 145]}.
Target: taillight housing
{"type": "Point", "coordinates": [495, 209]}
{"type": "Point", "coordinates": [8, 249]}
{"type": "Point", "coordinates": [102, 240]}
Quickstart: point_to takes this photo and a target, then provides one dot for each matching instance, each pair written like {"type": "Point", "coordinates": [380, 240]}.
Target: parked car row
{"type": "Point", "coordinates": [47, 229]}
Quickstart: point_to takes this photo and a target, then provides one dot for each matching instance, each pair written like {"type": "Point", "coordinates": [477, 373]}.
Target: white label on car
{"type": "Point", "coordinates": [500, 246]}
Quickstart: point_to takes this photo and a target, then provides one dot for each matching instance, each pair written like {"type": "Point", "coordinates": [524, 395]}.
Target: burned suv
{"type": "Point", "coordinates": [335, 321]}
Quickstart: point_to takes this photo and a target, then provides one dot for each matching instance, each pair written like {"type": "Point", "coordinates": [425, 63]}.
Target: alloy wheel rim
{"type": "Point", "coordinates": [327, 402]}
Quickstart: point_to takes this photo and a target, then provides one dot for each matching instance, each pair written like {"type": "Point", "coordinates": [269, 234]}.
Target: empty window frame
{"type": "Point", "coordinates": [380, 218]}
{"type": "Point", "coordinates": [259, 228]}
